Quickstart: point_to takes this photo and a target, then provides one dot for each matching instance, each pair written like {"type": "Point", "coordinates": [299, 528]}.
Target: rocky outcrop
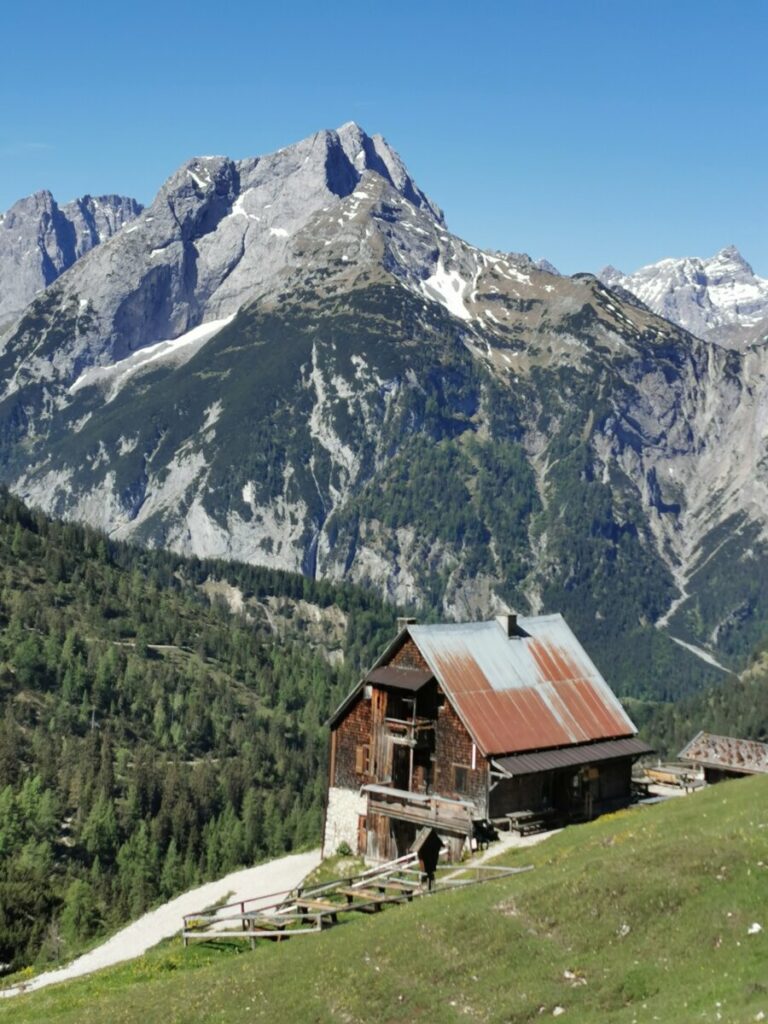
{"type": "Point", "coordinates": [39, 240]}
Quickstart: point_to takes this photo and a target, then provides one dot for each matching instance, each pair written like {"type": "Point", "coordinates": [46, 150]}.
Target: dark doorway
{"type": "Point", "coordinates": [401, 763]}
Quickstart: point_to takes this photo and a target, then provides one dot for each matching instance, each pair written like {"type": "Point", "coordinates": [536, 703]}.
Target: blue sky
{"type": "Point", "coordinates": [587, 133]}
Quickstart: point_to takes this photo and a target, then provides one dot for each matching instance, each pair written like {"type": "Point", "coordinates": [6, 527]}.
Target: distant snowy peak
{"type": "Point", "coordinates": [720, 298]}
{"type": "Point", "coordinates": [39, 240]}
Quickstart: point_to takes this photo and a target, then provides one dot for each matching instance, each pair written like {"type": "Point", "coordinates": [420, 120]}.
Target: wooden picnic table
{"type": "Point", "coordinates": [528, 821]}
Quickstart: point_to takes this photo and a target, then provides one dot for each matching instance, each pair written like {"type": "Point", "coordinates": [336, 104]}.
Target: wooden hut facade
{"type": "Point", "coordinates": [458, 724]}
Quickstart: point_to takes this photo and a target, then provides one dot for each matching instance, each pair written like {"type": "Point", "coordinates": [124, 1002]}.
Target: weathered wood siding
{"type": "Point", "coordinates": [527, 792]}
{"type": "Point", "coordinates": [453, 749]}
{"type": "Point", "coordinates": [381, 749]}
{"type": "Point", "coordinates": [609, 786]}
{"type": "Point", "coordinates": [354, 730]}
{"type": "Point", "coordinates": [615, 780]}
{"type": "Point", "coordinates": [409, 656]}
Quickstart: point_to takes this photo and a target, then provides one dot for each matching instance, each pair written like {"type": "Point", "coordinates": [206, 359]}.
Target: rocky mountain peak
{"type": "Point", "coordinates": [288, 359]}
{"type": "Point", "coordinates": [728, 261]}
{"type": "Point", "coordinates": [219, 234]}
{"type": "Point", "coordinates": [719, 298]}
{"type": "Point", "coordinates": [195, 198]}
{"type": "Point", "coordinates": [39, 240]}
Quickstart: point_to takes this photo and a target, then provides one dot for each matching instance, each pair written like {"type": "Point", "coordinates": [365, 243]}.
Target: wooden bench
{"type": "Point", "coordinates": [273, 922]}
{"type": "Point", "coordinates": [370, 899]}
{"type": "Point", "coordinates": [321, 908]}
{"type": "Point", "coordinates": [393, 885]}
{"type": "Point", "coordinates": [269, 926]}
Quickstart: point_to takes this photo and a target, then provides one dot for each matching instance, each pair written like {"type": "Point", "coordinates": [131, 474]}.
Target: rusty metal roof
{"type": "Point", "coordinates": [400, 678]}
{"type": "Point", "coordinates": [569, 757]}
{"type": "Point", "coordinates": [535, 689]}
{"type": "Point", "coordinates": [747, 756]}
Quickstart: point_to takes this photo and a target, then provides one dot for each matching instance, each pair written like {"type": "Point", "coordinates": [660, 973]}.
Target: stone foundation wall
{"type": "Point", "coordinates": [342, 818]}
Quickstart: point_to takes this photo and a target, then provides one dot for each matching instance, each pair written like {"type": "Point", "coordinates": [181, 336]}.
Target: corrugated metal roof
{"type": "Point", "coordinates": [536, 689]}
{"type": "Point", "coordinates": [401, 678]}
{"type": "Point", "coordinates": [568, 757]}
{"type": "Point", "coordinates": [727, 752]}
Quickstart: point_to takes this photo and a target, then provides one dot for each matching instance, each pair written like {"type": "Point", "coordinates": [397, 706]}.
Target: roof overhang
{"type": "Point", "coordinates": [393, 678]}
{"type": "Point", "coordinates": [571, 757]}
{"type": "Point", "coordinates": [386, 654]}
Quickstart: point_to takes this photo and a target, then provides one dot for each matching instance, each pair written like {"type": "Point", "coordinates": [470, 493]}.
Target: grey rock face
{"type": "Point", "coordinates": [720, 298]}
{"type": "Point", "coordinates": [39, 240]}
{"type": "Point", "coordinates": [236, 372]}
{"type": "Point", "coordinates": [217, 235]}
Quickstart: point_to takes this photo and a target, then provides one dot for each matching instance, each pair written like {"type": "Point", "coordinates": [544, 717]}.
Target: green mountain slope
{"type": "Point", "coordinates": [358, 436]}
{"type": "Point", "coordinates": [644, 915]}
{"type": "Point", "coordinates": [736, 707]}
{"type": "Point", "coordinates": [393, 407]}
{"type": "Point", "coordinates": [148, 738]}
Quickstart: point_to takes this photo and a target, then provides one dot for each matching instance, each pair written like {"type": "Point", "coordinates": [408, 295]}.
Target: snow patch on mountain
{"type": "Point", "coordinates": [126, 445]}
{"type": "Point", "coordinates": [173, 351]}
{"type": "Point", "coordinates": [212, 414]}
{"type": "Point", "coordinates": [448, 287]}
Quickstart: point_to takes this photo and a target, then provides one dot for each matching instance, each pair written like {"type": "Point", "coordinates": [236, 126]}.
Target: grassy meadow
{"type": "Point", "coordinates": [644, 915]}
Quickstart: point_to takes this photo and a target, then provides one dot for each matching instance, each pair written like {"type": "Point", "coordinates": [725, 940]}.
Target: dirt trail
{"type": "Point", "coordinates": [165, 921]}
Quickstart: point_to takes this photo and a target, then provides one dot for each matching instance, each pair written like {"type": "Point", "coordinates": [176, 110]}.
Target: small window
{"type": "Point", "coordinates": [460, 778]}
{"type": "Point", "coordinates": [363, 759]}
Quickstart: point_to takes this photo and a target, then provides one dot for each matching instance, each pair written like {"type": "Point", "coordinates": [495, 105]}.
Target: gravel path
{"type": "Point", "coordinates": [165, 921]}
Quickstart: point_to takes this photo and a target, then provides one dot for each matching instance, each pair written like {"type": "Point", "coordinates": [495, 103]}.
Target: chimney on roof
{"type": "Point", "coordinates": [508, 623]}
{"type": "Point", "coordinates": [403, 621]}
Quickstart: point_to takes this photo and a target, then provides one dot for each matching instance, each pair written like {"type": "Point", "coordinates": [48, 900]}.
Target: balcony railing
{"type": "Point", "coordinates": [441, 812]}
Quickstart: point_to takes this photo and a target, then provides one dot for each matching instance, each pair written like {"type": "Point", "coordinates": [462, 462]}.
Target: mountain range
{"type": "Point", "coordinates": [290, 360]}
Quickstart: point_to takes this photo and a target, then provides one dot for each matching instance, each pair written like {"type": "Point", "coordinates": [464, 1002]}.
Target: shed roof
{"type": "Point", "coordinates": [535, 689]}
{"type": "Point", "coordinates": [570, 757]}
{"type": "Point", "coordinates": [728, 752]}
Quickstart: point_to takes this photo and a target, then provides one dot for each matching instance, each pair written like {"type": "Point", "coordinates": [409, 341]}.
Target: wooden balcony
{"type": "Point", "coordinates": [440, 812]}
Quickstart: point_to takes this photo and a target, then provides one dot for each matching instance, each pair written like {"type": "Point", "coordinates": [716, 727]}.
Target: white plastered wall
{"type": "Point", "coordinates": [344, 809]}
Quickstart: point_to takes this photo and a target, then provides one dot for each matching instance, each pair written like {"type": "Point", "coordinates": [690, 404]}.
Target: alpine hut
{"type": "Point", "coordinates": [461, 723]}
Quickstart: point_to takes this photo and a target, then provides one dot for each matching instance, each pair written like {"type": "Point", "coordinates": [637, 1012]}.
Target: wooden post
{"type": "Point", "coordinates": [410, 748]}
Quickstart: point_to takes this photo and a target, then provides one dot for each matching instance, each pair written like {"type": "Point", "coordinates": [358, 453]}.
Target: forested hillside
{"type": "Point", "coordinates": [736, 707]}
{"type": "Point", "coordinates": [148, 738]}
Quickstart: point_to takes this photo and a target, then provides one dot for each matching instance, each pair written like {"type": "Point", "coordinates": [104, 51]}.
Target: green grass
{"type": "Point", "coordinates": [339, 866]}
{"type": "Point", "coordinates": [641, 916]}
